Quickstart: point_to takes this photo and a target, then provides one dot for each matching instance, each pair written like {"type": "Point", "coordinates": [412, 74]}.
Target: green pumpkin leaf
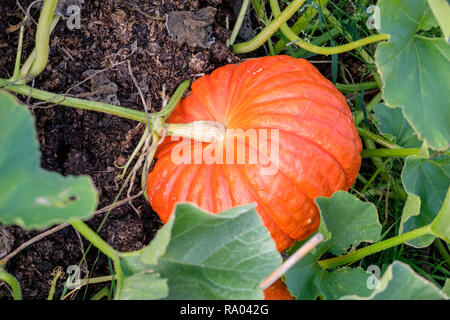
{"type": "Point", "coordinates": [31, 197]}
{"type": "Point", "coordinates": [345, 222]}
{"type": "Point", "coordinates": [441, 225]}
{"type": "Point", "coordinates": [349, 220]}
{"type": "Point", "coordinates": [307, 280]}
{"type": "Point", "coordinates": [392, 123]}
{"type": "Point", "coordinates": [426, 182]}
{"type": "Point", "coordinates": [223, 256]}
{"type": "Point", "coordinates": [441, 10]}
{"type": "Point", "coordinates": [415, 70]}
{"type": "Point", "coordinates": [139, 280]}
{"type": "Point", "coordinates": [400, 282]}
{"type": "Point", "coordinates": [446, 287]}
{"type": "Point", "coordinates": [143, 286]}
{"type": "Point", "coordinates": [158, 245]}
{"type": "Point", "coordinates": [205, 256]}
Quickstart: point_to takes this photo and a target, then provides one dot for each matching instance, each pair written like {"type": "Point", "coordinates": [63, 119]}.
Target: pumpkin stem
{"type": "Point", "coordinates": [203, 131]}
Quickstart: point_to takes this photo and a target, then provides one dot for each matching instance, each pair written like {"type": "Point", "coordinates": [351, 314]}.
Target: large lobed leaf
{"type": "Point", "coordinates": [394, 126]}
{"type": "Point", "coordinates": [415, 70]}
{"type": "Point", "coordinates": [427, 182]}
{"type": "Point", "coordinates": [400, 282]}
{"type": "Point", "coordinates": [30, 196]}
{"type": "Point", "coordinates": [143, 286]}
{"type": "Point", "coordinates": [345, 223]}
{"type": "Point", "coordinates": [350, 221]}
{"type": "Point", "coordinates": [307, 280]}
{"type": "Point", "coordinates": [204, 256]}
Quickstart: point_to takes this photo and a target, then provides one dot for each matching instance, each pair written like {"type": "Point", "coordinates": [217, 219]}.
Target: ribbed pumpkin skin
{"type": "Point", "coordinates": [278, 291]}
{"type": "Point", "coordinates": [319, 147]}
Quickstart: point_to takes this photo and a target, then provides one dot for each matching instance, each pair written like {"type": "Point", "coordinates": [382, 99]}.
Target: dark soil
{"type": "Point", "coordinates": [82, 142]}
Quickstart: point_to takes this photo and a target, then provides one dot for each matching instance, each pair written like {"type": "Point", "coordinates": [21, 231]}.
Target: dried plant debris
{"type": "Point", "coordinates": [193, 28]}
{"type": "Point", "coordinates": [6, 241]}
{"type": "Point", "coordinates": [102, 89]}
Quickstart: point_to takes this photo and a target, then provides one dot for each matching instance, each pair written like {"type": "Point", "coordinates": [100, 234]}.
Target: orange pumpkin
{"type": "Point", "coordinates": [278, 291]}
{"type": "Point", "coordinates": [318, 146]}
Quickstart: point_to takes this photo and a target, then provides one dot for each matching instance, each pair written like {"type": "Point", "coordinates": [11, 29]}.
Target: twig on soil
{"type": "Point", "coordinates": [33, 240]}
{"type": "Point", "coordinates": [20, 7]}
{"type": "Point", "coordinates": [31, 6]}
{"type": "Point", "coordinates": [66, 52]}
{"type": "Point", "coordinates": [25, 19]}
{"type": "Point", "coordinates": [62, 226]}
{"type": "Point", "coordinates": [140, 94]}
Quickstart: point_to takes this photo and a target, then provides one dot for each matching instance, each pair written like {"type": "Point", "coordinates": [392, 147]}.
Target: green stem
{"type": "Point", "coordinates": [292, 36]}
{"type": "Point", "coordinates": [238, 24]}
{"type": "Point", "coordinates": [103, 292]}
{"type": "Point", "coordinates": [259, 10]}
{"type": "Point", "coordinates": [377, 161]}
{"type": "Point", "coordinates": [13, 283]}
{"type": "Point", "coordinates": [376, 138]}
{"type": "Point", "coordinates": [331, 34]}
{"type": "Point", "coordinates": [442, 250]}
{"type": "Point", "coordinates": [116, 198]}
{"type": "Point", "coordinates": [42, 43]}
{"type": "Point", "coordinates": [331, 50]}
{"type": "Point", "coordinates": [359, 117]}
{"type": "Point", "coordinates": [98, 279]}
{"type": "Point", "coordinates": [270, 45]}
{"type": "Point", "coordinates": [362, 52]}
{"type": "Point", "coordinates": [374, 248]}
{"type": "Point", "coordinates": [356, 87]}
{"type": "Point", "coordinates": [361, 178]}
{"type": "Point", "coordinates": [18, 55]}
{"type": "Point", "coordinates": [374, 175]}
{"type": "Point", "coordinates": [53, 285]}
{"type": "Point", "coordinates": [126, 113]}
{"type": "Point", "coordinates": [375, 154]}
{"type": "Point", "coordinates": [173, 102]}
{"type": "Point", "coordinates": [301, 23]}
{"type": "Point", "coordinates": [95, 239]}
{"type": "Point", "coordinates": [101, 244]}
{"type": "Point", "coordinates": [74, 102]}
{"type": "Point", "coordinates": [261, 15]}
{"type": "Point", "coordinates": [133, 155]}
{"type": "Point", "coordinates": [269, 30]}
{"type": "Point", "coordinates": [400, 153]}
{"type": "Point", "coordinates": [24, 71]}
